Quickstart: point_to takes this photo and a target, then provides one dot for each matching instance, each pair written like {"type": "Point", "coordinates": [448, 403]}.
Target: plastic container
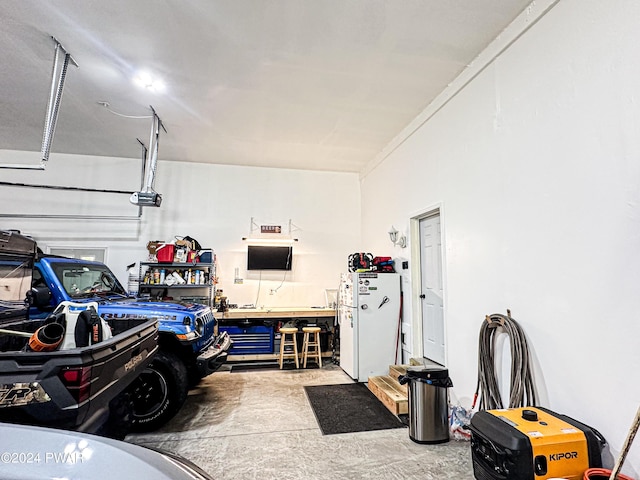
{"type": "Point", "coordinates": [206, 256]}
{"type": "Point", "coordinates": [428, 403]}
{"type": "Point", "coordinates": [133, 281]}
{"type": "Point", "coordinates": [165, 252]}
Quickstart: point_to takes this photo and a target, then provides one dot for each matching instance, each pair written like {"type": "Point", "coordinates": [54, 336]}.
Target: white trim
{"type": "Point", "coordinates": [518, 27]}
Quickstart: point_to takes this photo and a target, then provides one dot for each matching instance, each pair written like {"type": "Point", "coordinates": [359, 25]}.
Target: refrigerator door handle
{"type": "Point", "coordinates": [384, 300]}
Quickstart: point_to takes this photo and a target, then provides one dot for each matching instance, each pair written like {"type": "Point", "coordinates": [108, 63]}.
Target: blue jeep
{"type": "Point", "coordinates": [188, 347]}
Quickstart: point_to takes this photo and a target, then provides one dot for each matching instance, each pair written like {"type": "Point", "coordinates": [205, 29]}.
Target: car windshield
{"type": "Point", "coordinates": [87, 280]}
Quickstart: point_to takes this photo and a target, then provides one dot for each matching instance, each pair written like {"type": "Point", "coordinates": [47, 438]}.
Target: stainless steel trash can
{"type": "Point", "coordinates": [428, 403]}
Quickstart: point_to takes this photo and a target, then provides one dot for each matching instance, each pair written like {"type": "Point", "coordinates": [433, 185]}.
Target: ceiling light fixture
{"type": "Point", "coordinates": [145, 80]}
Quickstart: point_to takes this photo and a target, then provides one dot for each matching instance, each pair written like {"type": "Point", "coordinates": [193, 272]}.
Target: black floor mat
{"type": "Point", "coordinates": [349, 407]}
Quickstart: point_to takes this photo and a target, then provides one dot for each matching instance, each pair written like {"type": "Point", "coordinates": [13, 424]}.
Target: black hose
{"type": "Point", "coordinates": [522, 389]}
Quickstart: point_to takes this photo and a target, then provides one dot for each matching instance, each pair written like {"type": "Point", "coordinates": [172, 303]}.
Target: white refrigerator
{"type": "Point", "coordinates": [369, 323]}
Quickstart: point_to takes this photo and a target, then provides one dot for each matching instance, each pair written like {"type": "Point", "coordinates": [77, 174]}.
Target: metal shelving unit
{"type": "Point", "coordinates": [159, 279]}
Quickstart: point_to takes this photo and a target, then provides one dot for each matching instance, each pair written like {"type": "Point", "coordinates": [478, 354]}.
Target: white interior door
{"type": "Point", "coordinates": [431, 296]}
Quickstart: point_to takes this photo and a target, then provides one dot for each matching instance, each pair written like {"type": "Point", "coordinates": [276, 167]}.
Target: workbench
{"type": "Point", "coordinates": [256, 331]}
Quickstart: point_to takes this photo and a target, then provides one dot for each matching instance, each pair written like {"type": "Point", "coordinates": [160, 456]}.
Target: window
{"type": "Point", "coordinates": [92, 254]}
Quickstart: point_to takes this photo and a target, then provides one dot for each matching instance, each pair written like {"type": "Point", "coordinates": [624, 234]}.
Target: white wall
{"type": "Point", "coordinates": [213, 204]}
{"type": "Point", "coordinates": [536, 164]}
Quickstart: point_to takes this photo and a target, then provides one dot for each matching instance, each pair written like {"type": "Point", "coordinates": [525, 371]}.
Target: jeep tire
{"type": "Point", "coordinates": [159, 392]}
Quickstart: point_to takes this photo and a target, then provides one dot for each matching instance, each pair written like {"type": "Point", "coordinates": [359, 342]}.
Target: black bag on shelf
{"type": "Point", "coordinates": [189, 242]}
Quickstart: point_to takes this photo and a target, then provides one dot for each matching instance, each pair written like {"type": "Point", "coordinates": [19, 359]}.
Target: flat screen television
{"type": "Point", "coordinates": [260, 257]}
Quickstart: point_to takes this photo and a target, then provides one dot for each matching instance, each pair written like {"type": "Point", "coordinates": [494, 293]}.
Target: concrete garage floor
{"type": "Point", "coordinates": [258, 424]}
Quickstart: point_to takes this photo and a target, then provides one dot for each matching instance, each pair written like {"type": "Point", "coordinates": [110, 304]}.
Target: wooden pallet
{"type": "Point", "coordinates": [387, 389]}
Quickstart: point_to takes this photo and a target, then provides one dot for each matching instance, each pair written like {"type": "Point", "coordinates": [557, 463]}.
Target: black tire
{"type": "Point", "coordinates": [119, 423]}
{"type": "Point", "coordinates": [159, 392]}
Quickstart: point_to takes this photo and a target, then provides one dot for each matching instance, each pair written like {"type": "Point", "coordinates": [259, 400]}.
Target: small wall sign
{"type": "Point", "coordinates": [270, 229]}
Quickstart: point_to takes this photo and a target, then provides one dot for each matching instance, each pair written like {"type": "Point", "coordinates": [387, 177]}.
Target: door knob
{"type": "Point", "coordinates": [423, 296]}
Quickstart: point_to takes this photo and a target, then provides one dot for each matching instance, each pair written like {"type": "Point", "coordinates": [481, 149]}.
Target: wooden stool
{"type": "Point", "coordinates": [311, 345]}
{"type": "Point", "coordinates": [284, 342]}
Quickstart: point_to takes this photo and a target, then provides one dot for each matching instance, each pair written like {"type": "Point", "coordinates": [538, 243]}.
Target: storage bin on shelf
{"type": "Point", "coordinates": [165, 253]}
{"type": "Point", "coordinates": [206, 256]}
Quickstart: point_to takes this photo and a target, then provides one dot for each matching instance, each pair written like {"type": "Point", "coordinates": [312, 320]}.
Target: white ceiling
{"type": "Point", "coordinates": [310, 84]}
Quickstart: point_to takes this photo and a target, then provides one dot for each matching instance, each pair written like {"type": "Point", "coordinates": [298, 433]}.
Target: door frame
{"type": "Point", "coordinates": [416, 277]}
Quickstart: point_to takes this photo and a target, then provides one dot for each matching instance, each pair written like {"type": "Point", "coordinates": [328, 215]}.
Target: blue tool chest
{"type": "Point", "coordinates": [249, 340]}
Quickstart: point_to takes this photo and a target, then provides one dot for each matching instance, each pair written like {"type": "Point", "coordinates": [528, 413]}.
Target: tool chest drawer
{"type": "Point", "coordinates": [250, 340]}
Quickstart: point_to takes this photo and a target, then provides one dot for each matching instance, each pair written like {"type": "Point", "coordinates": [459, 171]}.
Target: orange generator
{"type": "Point", "coordinates": [532, 443]}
